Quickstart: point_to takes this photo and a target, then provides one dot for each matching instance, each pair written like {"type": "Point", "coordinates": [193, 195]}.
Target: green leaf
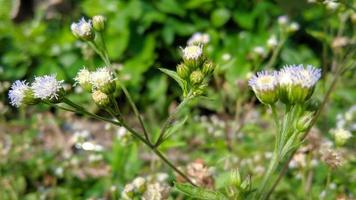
{"type": "Point", "coordinates": [199, 193]}
{"type": "Point", "coordinates": [175, 127]}
{"type": "Point", "coordinates": [175, 76]}
{"type": "Point", "coordinates": [220, 16]}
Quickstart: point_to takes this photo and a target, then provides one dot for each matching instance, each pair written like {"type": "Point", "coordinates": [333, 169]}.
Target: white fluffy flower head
{"type": "Point", "coordinates": [83, 76]}
{"type": "Point", "coordinates": [101, 77]}
{"type": "Point", "coordinates": [264, 81]}
{"type": "Point", "coordinates": [82, 29]}
{"type": "Point", "coordinates": [199, 38]}
{"type": "Point", "coordinates": [192, 52]}
{"type": "Point", "coordinates": [272, 41]}
{"type": "Point", "coordinates": [299, 75]}
{"type": "Point", "coordinates": [47, 87]}
{"type": "Point", "coordinates": [17, 92]}
{"type": "Point", "coordinates": [283, 20]}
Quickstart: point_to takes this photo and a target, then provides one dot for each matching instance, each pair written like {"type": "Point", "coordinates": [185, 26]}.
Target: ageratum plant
{"type": "Point", "coordinates": [292, 86]}
{"type": "Point", "coordinates": [192, 75]}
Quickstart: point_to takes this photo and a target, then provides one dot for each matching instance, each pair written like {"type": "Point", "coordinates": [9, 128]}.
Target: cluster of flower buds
{"type": "Point", "coordinates": [85, 29]}
{"type": "Point", "coordinates": [100, 82]}
{"type": "Point", "coordinates": [292, 84]}
{"type": "Point", "coordinates": [195, 68]}
{"type": "Point", "coordinates": [44, 88]}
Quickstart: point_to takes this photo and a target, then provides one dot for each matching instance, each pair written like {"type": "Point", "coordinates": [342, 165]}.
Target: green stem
{"type": "Point", "coordinates": [153, 148]}
{"type": "Point", "coordinates": [275, 53]}
{"type": "Point", "coordinates": [262, 192]}
{"type": "Point", "coordinates": [170, 120]}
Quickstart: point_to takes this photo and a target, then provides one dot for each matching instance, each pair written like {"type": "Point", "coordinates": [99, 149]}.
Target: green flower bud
{"type": "Point", "coordinates": [183, 71]}
{"type": "Point", "coordinates": [305, 121]}
{"type": "Point", "coordinates": [208, 68]}
{"type": "Point", "coordinates": [29, 98]}
{"type": "Point", "coordinates": [99, 22]}
{"type": "Point", "coordinates": [100, 98]}
{"type": "Point", "coordinates": [196, 77]}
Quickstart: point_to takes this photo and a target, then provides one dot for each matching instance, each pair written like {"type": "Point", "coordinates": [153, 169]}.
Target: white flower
{"type": "Point", "coordinates": [199, 38]}
{"type": "Point", "coordinates": [298, 75]}
{"type": "Point", "coordinates": [83, 29]}
{"type": "Point", "coordinates": [294, 26]}
{"type": "Point", "coordinates": [17, 92]}
{"type": "Point", "coordinates": [192, 52]}
{"type": "Point", "coordinates": [283, 20]}
{"type": "Point", "coordinates": [341, 135]}
{"type": "Point", "coordinates": [101, 77]}
{"type": "Point", "coordinates": [331, 4]}
{"type": "Point", "coordinates": [83, 77]}
{"type": "Point", "coordinates": [226, 56]}
{"type": "Point", "coordinates": [264, 81]}
{"type": "Point", "coordinates": [259, 50]}
{"type": "Point", "coordinates": [272, 41]}
{"type": "Point", "coordinates": [47, 87]}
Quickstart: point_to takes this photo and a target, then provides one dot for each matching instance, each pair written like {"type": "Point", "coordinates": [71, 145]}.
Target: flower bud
{"type": "Point", "coordinates": [99, 22]}
{"type": "Point", "coordinates": [305, 121]}
{"type": "Point", "coordinates": [128, 192]}
{"type": "Point", "coordinates": [196, 77]}
{"type": "Point", "coordinates": [101, 99]}
{"type": "Point", "coordinates": [208, 68]}
{"type": "Point", "coordinates": [341, 136]}
{"type": "Point", "coordinates": [183, 71]}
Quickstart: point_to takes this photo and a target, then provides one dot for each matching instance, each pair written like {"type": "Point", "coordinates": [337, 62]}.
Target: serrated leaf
{"type": "Point", "coordinates": [199, 193]}
{"type": "Point", "coordinates": [175, 76]}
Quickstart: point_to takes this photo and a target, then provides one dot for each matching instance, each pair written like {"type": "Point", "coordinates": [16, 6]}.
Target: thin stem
{"type": "Point", "coordinates": [136, 112]}
{"type": "Point", "coordinates": [170, 120]}
{"type": "Point", "coordinates": [153, 148]}
{"type": "Point", "coordinates": [271, 168]}
{"type": "Point", "coordinates": [275, 53]}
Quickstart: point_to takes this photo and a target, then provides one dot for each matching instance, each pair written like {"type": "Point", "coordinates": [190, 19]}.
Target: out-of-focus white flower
{"type": "Point", "coordinates": [83, 29]}
{"type": "Point", "coordinates": [192, 52]}
{"type": "Point", "coordinates": [155, 191]}
{"type": "Point", "coordinates": [283, 20]}
{"type": "Point", "coordinates": [331, 4]}
{"type": "Point", "coordinates": [139, 184]}
{"type": "Point", "coordinates": [59, 171]}
{"type": "Point", "coordinates": [226, 57]}
{"type": "Point", "coordinates": [128, 192]}
{"type": "Point", "coordinates": [199, 39]}
{"type": "Point", "coordinates": [259, 51]}
{"type": "Point", "coordinates": [90, 146]}
{"type": "Point", "coordinates": [99, 22]}
{"type": "Point", "coordinates": [341, 135]}
{"type": "Point", "coordinates": [272, 42]}
{"type": "Point", "coordinates": [293, 27]}
{"type": "Point", "coordinates": [47, 87]}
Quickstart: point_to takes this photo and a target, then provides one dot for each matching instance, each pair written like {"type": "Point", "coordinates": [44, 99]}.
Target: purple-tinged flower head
{"type": "Point", "coordinates": [48, 88]}
{"type": "Point", "coordinates": [199, 39]}
{"type": "Point", "coordinates": [265, 86]}
{"type": "Point", "coordinates": [20, 94]}
{"type": "Point", "coordinates": [83, 29]}
{"type": "Point", "coordinates": [297, 82]}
